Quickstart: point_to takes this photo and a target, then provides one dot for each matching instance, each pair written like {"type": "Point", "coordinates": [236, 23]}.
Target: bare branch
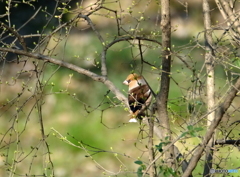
{"type": "Point", "coordinates": [231, 15]}
{"type": "Point", "coordinates": [151, 155]}
{"type": "Point", "coordinates": [227, 142]}
{"type": "Point", "coordinates": [232, 18]}
{"type": "Point", "coordinates": [209, 63]}
{"type": "Point", "coordinates": [222, 108]}
{"type": "Point", "coordinates": [73, 67]}
{"type": "Point", "coordinates": [19, 37]}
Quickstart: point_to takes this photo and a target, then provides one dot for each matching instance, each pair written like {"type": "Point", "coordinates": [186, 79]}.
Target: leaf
{"type": "Point", "coordinates": [139, 162]}
{"type": "Point", "coordinates": [184, 134]}
{"type": "Point", "coordinates": [190, 127]}
{"type": "Point", "coordinates": [139, 172]}
{"type": "Point", "coordinates": [192, 131]}
{"type": "Point", "coordinates": [160, 145]}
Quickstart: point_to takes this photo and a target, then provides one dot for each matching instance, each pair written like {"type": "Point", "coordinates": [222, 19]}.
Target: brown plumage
{"type": "Point", "coordinates": [139, 95]}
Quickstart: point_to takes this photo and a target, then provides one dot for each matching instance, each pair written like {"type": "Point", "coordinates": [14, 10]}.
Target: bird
{"type": "Point", "coordinates": [139, 95]}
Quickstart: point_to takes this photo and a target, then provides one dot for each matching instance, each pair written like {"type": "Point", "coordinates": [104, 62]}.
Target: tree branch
{"type": "Point", "coordinates": [222, 108]}
{"type": "Point", "coordinates": [231, 17]}
{"type": "Point", "coordinates": [209, 63]}
{"type": "Point", "coordinates": [15, 33]}
{"type": "Point", "coordinates": [162, 96]}
{"type": "Point", "coordinates": [73, 67]}
{"type": "Point", "coordinates": [151, 156]}
{"type": "Point", "coordinates": [229, 142]}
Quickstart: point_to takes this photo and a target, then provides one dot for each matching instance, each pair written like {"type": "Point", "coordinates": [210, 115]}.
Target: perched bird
{"type": "Point", "coordinates": [139, 95]}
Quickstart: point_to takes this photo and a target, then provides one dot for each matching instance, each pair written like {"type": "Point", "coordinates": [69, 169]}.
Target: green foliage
{"type": "Point", "coordinates": [167, 172]}
{"type": "Point", "coordinates": [160, 146]}
{"type": "Point", "coordinates": [192, 131]}
{"type": "Point", "coordinates": [140, 168]}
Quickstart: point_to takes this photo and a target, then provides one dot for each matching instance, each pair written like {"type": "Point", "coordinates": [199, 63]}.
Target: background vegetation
{"type": "Point", "coordinates": [56, 121]}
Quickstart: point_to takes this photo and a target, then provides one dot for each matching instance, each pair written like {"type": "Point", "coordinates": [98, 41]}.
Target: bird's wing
{"type": "Point", "coordinates": [138, 96]}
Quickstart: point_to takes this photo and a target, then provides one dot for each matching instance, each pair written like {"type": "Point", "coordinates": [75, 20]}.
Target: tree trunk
{"type": "Point", "coordinates": [209, 63]}
{"type": "Point", "coordinates": [162, 97]}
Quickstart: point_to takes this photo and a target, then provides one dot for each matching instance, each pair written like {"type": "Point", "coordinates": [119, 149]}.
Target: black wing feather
{"type": "Point", "coordinates": [137, 97]}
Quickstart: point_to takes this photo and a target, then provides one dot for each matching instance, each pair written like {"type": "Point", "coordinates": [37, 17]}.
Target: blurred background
{"type": "Point", "coordinates": [83, 111]}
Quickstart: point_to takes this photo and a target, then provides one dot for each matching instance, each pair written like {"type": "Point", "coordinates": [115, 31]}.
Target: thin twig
{"type": "Point", "coordinates": [221, 109]}
{"type": "Point", "coordinates": [15, 33]}
{"type": "Point", "coordinates": [73, 67]}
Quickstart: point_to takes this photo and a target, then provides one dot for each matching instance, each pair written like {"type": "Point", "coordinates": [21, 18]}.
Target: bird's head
{"type": "Point", "coordinates": [134, 80]}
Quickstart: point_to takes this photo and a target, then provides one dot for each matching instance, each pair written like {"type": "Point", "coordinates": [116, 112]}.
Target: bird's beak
{"type": "Point", "coordinates": [125, 82]}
